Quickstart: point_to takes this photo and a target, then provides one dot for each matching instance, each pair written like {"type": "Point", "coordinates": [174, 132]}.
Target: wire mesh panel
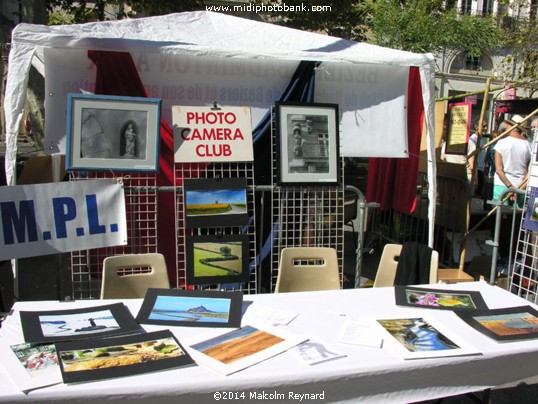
{"type": "Point", "coordinates": [141, 197]}
{"type": "Point", "coordinates": [305, 216]}
{"type": "Point", "coordinates": [524, 279]}
{"type": "Point", "coordinates": [215, 171]}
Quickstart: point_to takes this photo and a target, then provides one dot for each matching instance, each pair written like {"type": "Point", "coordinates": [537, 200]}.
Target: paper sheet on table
{"type": "Point", "coordinates": [357, 333]}
{"type": "Point", "coordinates": [268, 315]}
{"type": "Point", "coordinates": [314, 351]}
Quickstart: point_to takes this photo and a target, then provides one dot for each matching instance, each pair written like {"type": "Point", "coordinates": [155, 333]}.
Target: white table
{"type": "Point", "coordinates": [365, 375]}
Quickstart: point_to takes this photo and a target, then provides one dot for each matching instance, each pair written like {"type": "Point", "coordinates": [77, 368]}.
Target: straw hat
{"type": "Point", "coordinates": [515, 120]}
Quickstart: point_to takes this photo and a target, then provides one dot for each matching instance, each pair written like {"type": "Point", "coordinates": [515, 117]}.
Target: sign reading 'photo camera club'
{"type": "Point", "coordinates": [205, 134]}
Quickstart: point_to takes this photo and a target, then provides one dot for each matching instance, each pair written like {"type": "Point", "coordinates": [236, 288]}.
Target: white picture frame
{"type": "Point", "coordinates": [308, 144]}
{"type": "Point", "coordinates": [112, 133]}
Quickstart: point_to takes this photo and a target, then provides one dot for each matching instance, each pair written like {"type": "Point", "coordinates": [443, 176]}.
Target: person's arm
{"type": "Point", "coordinates": [499, 170]}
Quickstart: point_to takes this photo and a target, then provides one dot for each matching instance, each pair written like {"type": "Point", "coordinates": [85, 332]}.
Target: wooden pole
{"type": "Point", "coordinates": [474, 170]}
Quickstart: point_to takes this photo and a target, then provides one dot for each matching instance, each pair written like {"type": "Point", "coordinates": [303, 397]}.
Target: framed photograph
{"type": "Point", "coordinates": [531, 215]}
{"type": "Point", "coordinates": [215, 202]}
{"type": "Point", "coordinates": [419, 337]}
{"type": "Point", "coordinates": [504, 325]}
{"type": "Point", "coordinates": [214, 260]}
{"type": "Point", "coordinates": [30, 366]}
{"type": "Point", "coordinates": [112, 133]}
{"type": "Point", "coordinates": [90, 322]}
{"type": "Point", "coordinates": [105, 358]}
{"type": "Point", "coordinates": [241, 348]}
{"type": "Point", "coordinates": [191, 308]}
{"type": "Point", "coordinates": [438, 299]}
{"type": "Point", "coordinates": [307, 143]}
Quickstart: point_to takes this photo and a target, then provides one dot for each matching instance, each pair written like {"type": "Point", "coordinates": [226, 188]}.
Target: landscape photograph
{"type": "Point", "coordinates": [119, 355]}
{"type": "Point", "coordinates": [216, 202]}
{"type": "Point", "coordinates": [191, 309]}
{"type": "Point", "coordinates": [510, 324]}
{"type": "Point", "coordinates": [78, 323]}
{"type": "Point", "coordinates": [218, 259]}
{"type": "Point", "coordinates": [238, 344]}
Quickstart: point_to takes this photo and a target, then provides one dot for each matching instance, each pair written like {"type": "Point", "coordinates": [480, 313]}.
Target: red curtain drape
{"type": "Point", "coordinates": [117, 75]}
{"type": "Point", "coordinates": [392, 182]}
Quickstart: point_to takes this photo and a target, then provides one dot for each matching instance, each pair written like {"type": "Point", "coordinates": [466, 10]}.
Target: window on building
{"type": "Point", "coordinates": [473, 63]}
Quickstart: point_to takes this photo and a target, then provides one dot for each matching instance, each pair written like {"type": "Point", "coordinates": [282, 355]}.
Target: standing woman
{"type": "Point", "coordinates": [512, 158]}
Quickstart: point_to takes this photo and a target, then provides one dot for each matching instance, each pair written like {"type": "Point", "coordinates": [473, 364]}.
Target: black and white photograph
{"type": "Point", "coordinates": [307, 143]}
{"type": "Point", "coordinates": [112, 133]}
{"type": "Point", "coordinates": [91, 322]}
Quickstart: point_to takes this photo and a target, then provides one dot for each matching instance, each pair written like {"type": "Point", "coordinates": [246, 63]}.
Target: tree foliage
{"type": "Point", "coordinates": [342, 18]}
{"type": "Point", "coordinates": [74, 11]}
{"type": "Point", "coordinates": [520, 38]}
{"type": "Point", "coordinates": [427, 26]}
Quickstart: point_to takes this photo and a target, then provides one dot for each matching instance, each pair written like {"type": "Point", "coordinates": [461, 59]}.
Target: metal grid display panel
{"type": "Point", "coordinates": [524, 279]}
{"type": "Point", "coordinates": [216, 170]}
{"type": "Point", "coordinates": [305, 216]}
{"type": "Point", "coordinates": [141, 197]}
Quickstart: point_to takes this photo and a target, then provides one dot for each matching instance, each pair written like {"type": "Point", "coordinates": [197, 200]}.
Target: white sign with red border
{"type": "Point", "coordinates": [206, 134]}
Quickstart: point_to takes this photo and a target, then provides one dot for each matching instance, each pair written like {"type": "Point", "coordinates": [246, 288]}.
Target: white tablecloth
{"type": "Point", "coordinates": [364, 375]}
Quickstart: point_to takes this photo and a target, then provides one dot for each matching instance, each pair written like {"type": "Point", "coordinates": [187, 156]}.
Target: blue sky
{"type": "Point", "coordinates": [222, 195]}
{"type": "Point", "coordinates": [182, 303]}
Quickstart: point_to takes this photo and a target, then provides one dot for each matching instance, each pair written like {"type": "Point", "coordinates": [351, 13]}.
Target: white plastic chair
{"type": "Point", "coordinates": [304, 269]}
{"type": "Point", "coordinates": [142, 271]}
{"type": "Point", "coordinates": [386, 271]}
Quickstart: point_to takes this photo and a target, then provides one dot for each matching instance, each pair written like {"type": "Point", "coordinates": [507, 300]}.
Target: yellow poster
{"type": "Point", "coordinates": [459, 128]}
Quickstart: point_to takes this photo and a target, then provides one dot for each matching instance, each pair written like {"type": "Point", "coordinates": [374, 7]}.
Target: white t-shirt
{"type": "Point", "coordinates": [516, 154]}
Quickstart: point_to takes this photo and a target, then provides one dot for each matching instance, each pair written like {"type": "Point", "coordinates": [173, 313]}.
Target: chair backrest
{"type": "Point", "coordinates": [304, 269]}
{"type": "Point", "coordinates": [129, 276]}
{"type": "Point", "coordinates": [386, 271]}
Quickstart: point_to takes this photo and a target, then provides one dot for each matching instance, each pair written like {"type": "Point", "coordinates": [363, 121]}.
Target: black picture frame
{"type": "Point", "coordinates": [439, 299]}
{"type": "Point", "coordinates": [112, 133]}
{"type": "Point", "coordinates": [206, 308]}
{"type": "Point", "coordinates": [215, 202]}
{"type": "Point", "coordinates": [52, 325]}
{"type": "Point", "coordinates": [531, 215]}
{"type": "Point", "coordinates": [218, 271]}
{"type": "Point", "coordinates": [522, 323]}
{"type": "Point", "coordinates": [308, 143]}
{"type": "Point", "coordinates": [163, 342]}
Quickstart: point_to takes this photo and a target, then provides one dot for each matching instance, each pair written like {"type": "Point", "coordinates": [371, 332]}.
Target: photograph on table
{"type": "Point", "coordinates": [89, 322]}
{"type": "Point", "coordinates": [191, 308]}
{"type": "Point", "coordinates": [307, 143]}
{"type": "Point", "coordinates": [217, 259]}
{"type": "Point", "coordinates": [438, 299]}
{"type": "Point", "coordinates": [112, 133]}
{"type": "Point", "coordinates": [419, 337]}
{"type": "Point", "coordinates": [531, 215]}
{"type": "Point", "coordinates": [105, 358]}
{"type": "Point", "coordinates": [504, 325]}
{"type": "Point", "coordinates": [30, 366]}
{"type": "Point", "coordinates": [238, 349]}
{"type": "Point", "coordinates": [215, 202]}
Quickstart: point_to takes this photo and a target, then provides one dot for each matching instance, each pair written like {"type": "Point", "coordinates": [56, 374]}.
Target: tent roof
{"type": "Point", "coordinates": [212, 34]}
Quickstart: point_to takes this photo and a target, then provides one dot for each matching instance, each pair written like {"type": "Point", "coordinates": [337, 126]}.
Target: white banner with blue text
{"type": "Point", "coordinates": [60, 217]}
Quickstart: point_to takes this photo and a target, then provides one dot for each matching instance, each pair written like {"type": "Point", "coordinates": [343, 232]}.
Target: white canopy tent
{"type": "Point", "coordinates": [199, 57]}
